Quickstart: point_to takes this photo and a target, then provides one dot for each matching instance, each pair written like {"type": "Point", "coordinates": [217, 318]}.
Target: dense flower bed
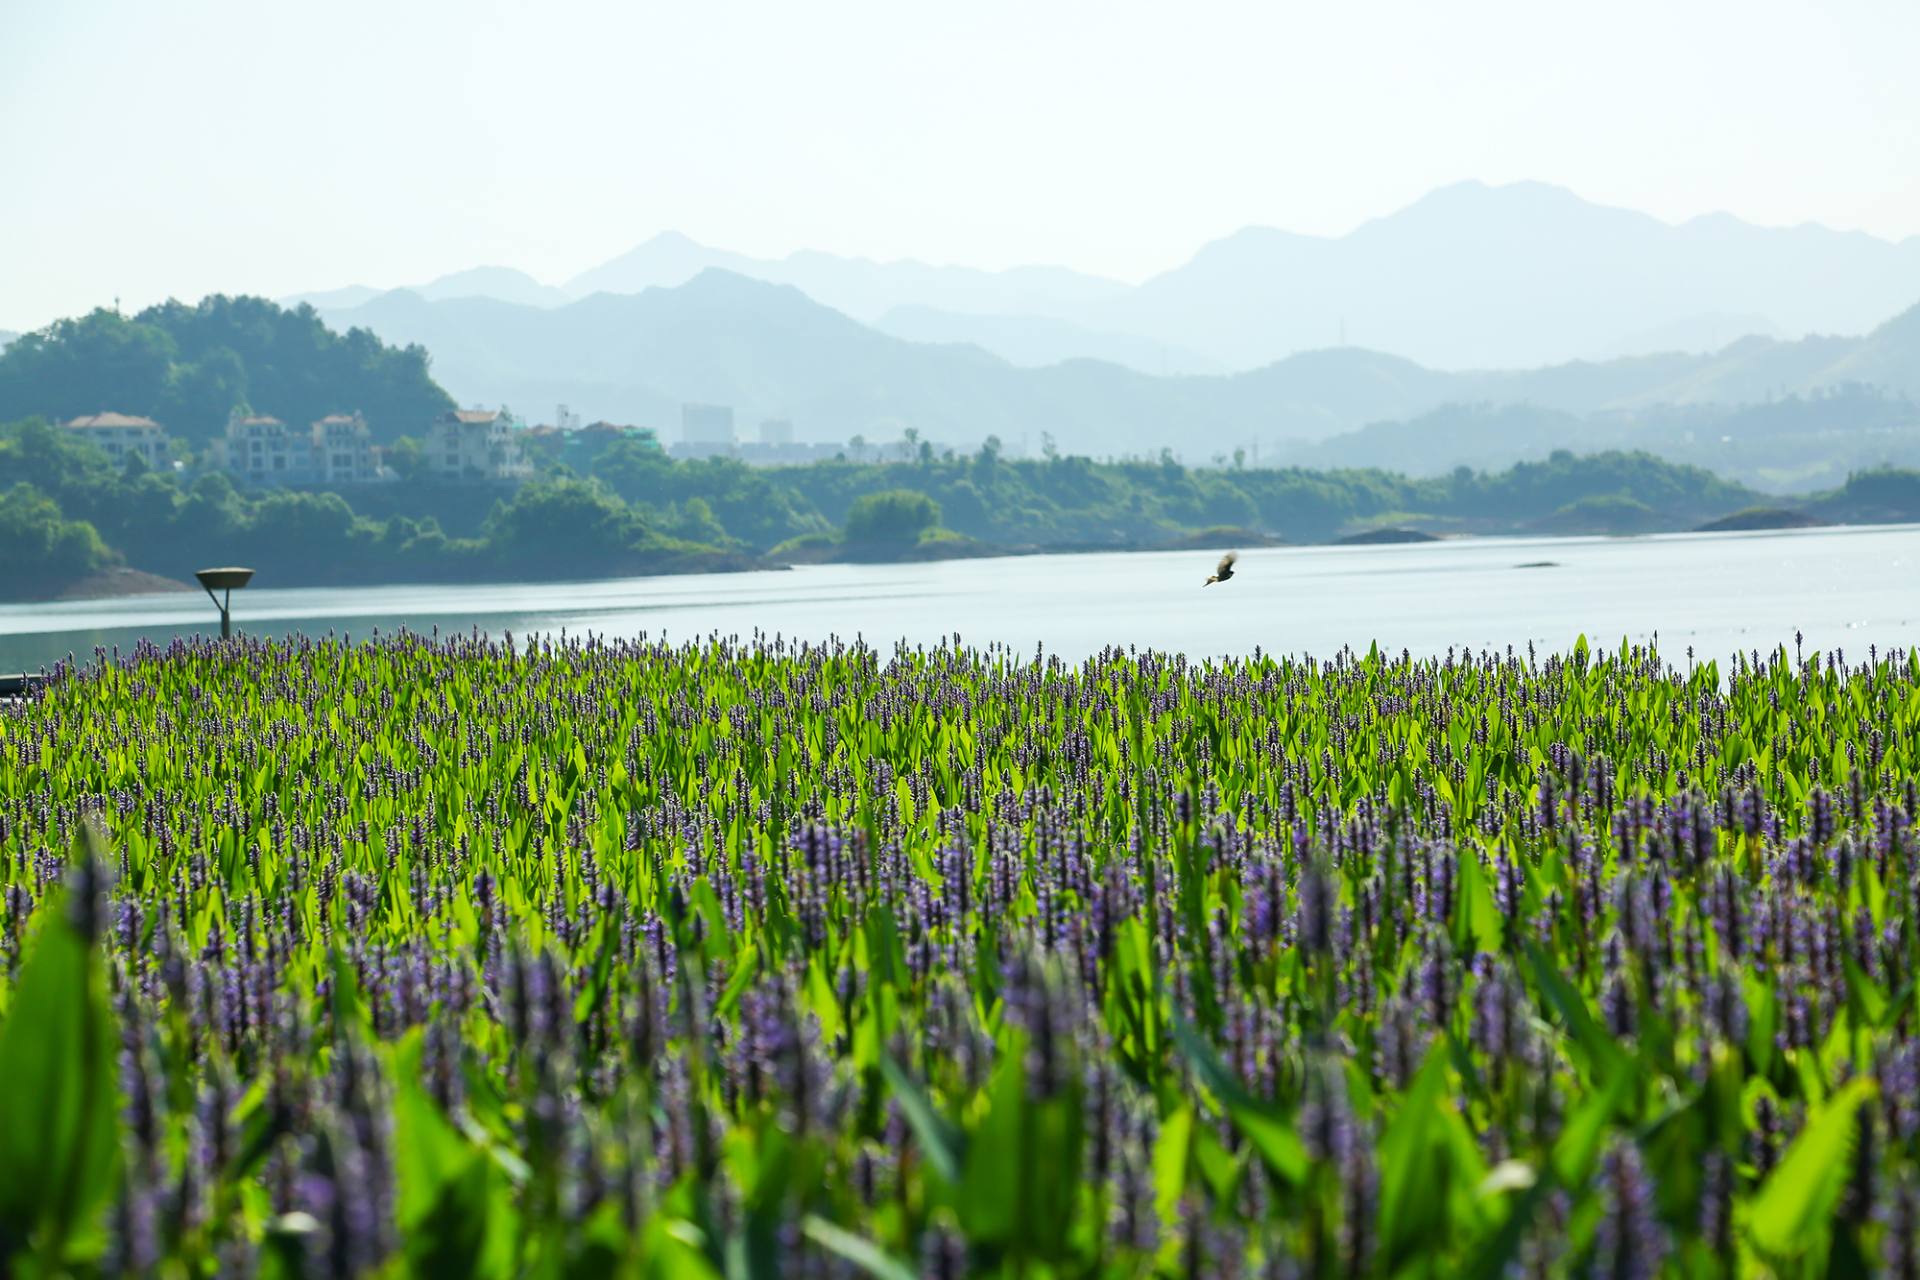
{"type": "Point", "coordinates": [746, 959]}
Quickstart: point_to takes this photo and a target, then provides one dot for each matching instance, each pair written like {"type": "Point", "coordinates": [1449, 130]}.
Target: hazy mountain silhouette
{"type": "Point", "coordinates": [770, 351]}
{"type": "Point", "coordinates": [1791, 443]}
{"type": "Point", "coordinates": [502, 284]}
{"type": "Point", "coordinates": [1475, 276]}
{"type": "Point", "coordinates": [1695, 335]}
{"type": "Point", "coordinates": [1033, 341]}
{"type": "Point", "coordinates": [1469, 277]}
{"type": "Point", "coordinates": [352, 295]}
{"type": "Point", "coordinates": [861, 288]}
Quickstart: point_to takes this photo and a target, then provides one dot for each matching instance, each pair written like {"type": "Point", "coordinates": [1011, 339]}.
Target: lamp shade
{"type": "Point", "coordinates": [229, 578]}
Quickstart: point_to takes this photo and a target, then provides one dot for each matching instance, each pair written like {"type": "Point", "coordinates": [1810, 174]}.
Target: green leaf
{"type": "Point", "coordinates": [940, 1141]}
{"type": "Point", "coordinates": [1170, 1154]}
{"type": "Point", "coordinates": [59, 1104]}
{"type": "Point", "coordinates": [1604, 1057]}
{"type": "Point", "coordinates": [1493, 1259]}
{"type": "Point", "coordinates": [1865, 1000]}
{"type": "Point", "coordinates": [1412, 1174]}
{"type": "Point", "coordinates": [1799, 1195]}
{"type": "Point", "coordinates": [1270, 1135]}
{"type": "Point", "coordinates": [992, 1207]}
{"type": "Point", "coordinates": [1585, 1130]}
{"type": "Point", "coordinates": [858, 1250]}
{"type": "Point", "coordinates": [1476, 920]}
{"type": "Point", "coordinates": [454, 1215]}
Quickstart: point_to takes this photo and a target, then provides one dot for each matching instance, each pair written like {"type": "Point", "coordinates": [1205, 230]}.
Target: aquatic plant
{"type": "Point", "coordinates": [744, 958]}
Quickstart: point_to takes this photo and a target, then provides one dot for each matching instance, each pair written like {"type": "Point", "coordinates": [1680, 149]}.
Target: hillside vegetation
{"type": "Point", "coordinates": [188, 367]}
{"type": "Point", "coordinates": [68, 512]}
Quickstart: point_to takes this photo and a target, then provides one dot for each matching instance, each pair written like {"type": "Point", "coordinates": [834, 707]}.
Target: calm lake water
{"type": "Point", "coordinates": [1846, 588]}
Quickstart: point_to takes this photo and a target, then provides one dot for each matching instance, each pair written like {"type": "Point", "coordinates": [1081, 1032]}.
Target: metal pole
{"type": "Point", "coordinates": [226, 624]}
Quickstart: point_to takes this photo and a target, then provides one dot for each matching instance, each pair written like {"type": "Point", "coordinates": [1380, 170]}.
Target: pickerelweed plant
{"type": "Point", "coordinates": [742, 959]}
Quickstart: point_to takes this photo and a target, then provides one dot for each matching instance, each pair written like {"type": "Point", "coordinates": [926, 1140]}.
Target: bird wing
{"type": "Point", "coordinates": [1226, 562]}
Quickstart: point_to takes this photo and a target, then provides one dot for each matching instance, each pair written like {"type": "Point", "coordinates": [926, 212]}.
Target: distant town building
{"type": "Point", "coordinates": [266, 451]}
{"type": "Point", "coordinates": [345, 449]}
{"type": "Point", "coordinates": [776, 431]}
{"type": "Point", "coordinates": [121, 434]}
{"type": "Point", "coordinates": [706, 424]}
{"type": "Point", "coordinates": [477, 444]}
{"type": "Point", "coordinates": [336, 450]}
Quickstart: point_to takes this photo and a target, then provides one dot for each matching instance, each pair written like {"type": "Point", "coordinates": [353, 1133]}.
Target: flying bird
{"type": "Point", "coordinates": [1225, 570]}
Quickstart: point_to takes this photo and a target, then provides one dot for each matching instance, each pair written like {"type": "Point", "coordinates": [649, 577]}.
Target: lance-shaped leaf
{"type": "Point", "coordinates": [1800, 1193]}
{"type": "Point", "coordinates": [1270, 1135]}
{"type": "Point", "coordinates": [940, 1142]}
{"type": "Point", "coordinates": [59, 1099]}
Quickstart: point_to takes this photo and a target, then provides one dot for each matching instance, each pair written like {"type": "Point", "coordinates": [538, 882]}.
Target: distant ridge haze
{"type": "Point", "coordinates": [769, 350]}
{"type": "Point", "coordinates": [1471, 276]}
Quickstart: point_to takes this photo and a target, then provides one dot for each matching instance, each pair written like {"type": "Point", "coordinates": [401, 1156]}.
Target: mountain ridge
{"type": "Point", "coordinates": [771, 351]}
{"type": "Point", "coordinates": [1470, 276]}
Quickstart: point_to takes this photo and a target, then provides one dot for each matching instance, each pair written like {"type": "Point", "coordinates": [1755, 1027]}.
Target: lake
{"type": "Point", "coordinates": [1842, 587]}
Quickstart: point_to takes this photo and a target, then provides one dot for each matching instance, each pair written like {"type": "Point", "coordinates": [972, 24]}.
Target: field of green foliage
{"type": "Point", "coordinates": [444, 957]}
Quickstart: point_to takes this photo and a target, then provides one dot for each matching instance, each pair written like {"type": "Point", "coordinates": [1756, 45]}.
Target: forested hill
{"type": "Point", "coordinates": [190, 366]}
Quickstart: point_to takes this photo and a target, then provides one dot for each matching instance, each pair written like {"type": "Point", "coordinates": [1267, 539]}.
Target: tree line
{"type": "Point", "coordinates": [70, 512]}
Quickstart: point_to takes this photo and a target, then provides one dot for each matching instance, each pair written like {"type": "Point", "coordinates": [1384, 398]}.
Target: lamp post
{"type": "Point", "coordinates": [226, 581]}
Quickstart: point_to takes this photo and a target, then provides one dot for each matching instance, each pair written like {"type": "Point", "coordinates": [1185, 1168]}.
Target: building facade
{"type": "Point", "coordinates": [265, 451]}
{"type": "Point", "coordinates": [345, 450]}
{"type": "Point", "coordinates": [476, 444]}
{"type": "Point", "coordinates": [706, 424]}
{"type": "Point", "coordinates": [336, 450]}
{"type": "Point", "coordinates": [121, 435]}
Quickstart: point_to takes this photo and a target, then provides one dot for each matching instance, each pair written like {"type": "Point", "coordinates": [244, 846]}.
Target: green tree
{"type": "Point", "coordinates": [563, 524]}
{"type": "Point", "coordinates": [101, 361]}
{"type": "Point", "coordinates": [200, 396]}
{"type": "Point", "coordinates": [42, 547]}
{"type": "Point", "coordinates": [893, 517]}
{"type": "Point", "coordinates": [694, 520]}
{"type": "Point", "coordinates": [187, 366]}
{"type": "Point", "coordinates": [636, 469]}
{"type": "Point", "coordinates": [408, 458]}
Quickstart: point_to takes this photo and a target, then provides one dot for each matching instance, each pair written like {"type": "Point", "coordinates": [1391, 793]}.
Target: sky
{"type": "Point", "coordinates": [155, 150]}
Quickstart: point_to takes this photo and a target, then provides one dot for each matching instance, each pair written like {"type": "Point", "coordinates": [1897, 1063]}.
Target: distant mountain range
{"type": "Point", "coordinates": [1474, 276]}
{"type": "Point", "coordinates": [770, 351]}
{"type": "Point", "coordinates": [1469, 277]}
{"type": "Point", "coordinates": [503, 284]}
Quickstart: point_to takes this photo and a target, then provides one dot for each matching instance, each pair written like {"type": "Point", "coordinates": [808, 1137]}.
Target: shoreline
{"type": "Point", "coordinates": [115, 584]}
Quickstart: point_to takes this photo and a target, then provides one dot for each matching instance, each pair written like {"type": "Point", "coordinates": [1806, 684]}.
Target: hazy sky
{"type": "Point", "coordinates": [200, 145]}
